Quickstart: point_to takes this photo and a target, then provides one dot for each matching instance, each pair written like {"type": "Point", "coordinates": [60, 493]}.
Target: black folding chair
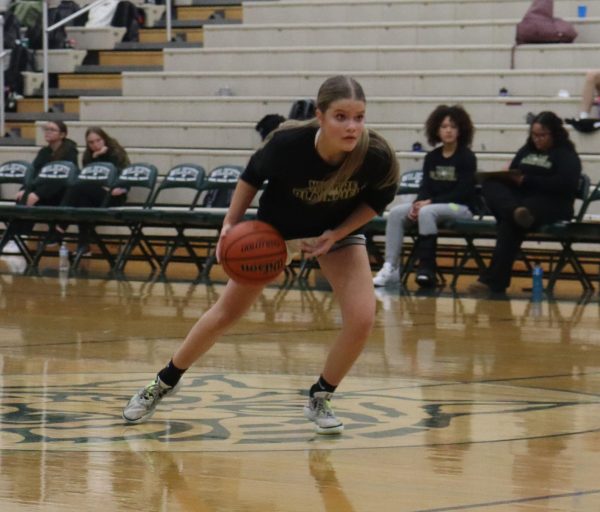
{"type": "Point", "coordinates": [98, 174]}
{"type": "Point", "coordinates": [180, 178]}
{"type": "Point", "coordinates": [14, 175]}
{"type": "Point", "coordinates": [219, 187]}
{"type": "Point", "coordinates": [566, 239]}
{"type": "Point", "coordinates": [61, 173]}
{"type": "Point", "coordinates": [140, 181]}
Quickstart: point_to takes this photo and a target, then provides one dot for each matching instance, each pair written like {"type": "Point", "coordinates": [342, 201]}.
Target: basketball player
{"type": "Point", "coordinates": [326, 178]}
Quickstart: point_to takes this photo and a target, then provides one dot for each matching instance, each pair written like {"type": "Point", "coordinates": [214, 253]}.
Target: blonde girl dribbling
{"type": "Point", "coordinates": [326, 178]}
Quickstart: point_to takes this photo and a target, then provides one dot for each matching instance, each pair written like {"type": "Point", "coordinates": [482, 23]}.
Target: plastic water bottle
{"type": "Point", "coordinates": [537, 286]}
{"type": "Point", "coordinates": [63, 258]}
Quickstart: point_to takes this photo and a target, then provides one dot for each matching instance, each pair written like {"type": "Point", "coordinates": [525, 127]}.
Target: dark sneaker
{"type": "Point", "coordinates": [425, 278]}
{"type": "Point", "coordinates": [142, 405]}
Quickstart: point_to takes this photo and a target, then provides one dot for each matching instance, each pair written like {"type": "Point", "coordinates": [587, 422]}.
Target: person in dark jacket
{"type": "Point", "coordinates": [447, 192]}
{"type": "Point", "coordinates": [59, 148]}
{"type": "Point", "coordinates": [541, 189]}
{"type": "Point", "coordinates": [100, 147]}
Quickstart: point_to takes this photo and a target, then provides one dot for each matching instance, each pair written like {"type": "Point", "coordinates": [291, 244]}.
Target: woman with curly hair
{"type": "Point", "coordinates": [447, 192]}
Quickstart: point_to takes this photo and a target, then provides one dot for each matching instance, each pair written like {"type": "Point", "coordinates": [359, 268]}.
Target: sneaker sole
{"type": "Point", "coordinates": [138, 421]}
{"type": "Point", "coordinates": [329, 431]}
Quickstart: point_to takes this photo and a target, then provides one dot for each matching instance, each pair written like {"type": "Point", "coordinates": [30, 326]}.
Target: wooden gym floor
{"type": "Point", "coordinates": [457, 404]}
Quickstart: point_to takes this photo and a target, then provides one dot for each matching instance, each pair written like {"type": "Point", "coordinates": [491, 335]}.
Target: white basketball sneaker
{"type": "Point", "coordinates": [318, 409]}
{"type": "Point", "coordinates": [141, 406]}
{"type": "Point", "coordinates": [387, 276]}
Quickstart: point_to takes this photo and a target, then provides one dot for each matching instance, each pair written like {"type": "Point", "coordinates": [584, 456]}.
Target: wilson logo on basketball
{"type": "Point", "coordinates": [261, 244]}
{"type": "Point", "coordinates": [275, 266]}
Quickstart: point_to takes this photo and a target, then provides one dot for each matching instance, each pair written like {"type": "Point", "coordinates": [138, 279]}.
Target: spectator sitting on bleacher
{"type": "Point", "coordinates": [59, 148]}
{"type": "Point", "coordinates": [586, 122]}
{"type": "Point", "coordinates": [447, 192]}
{"type": "Point", "coordinates": [541, 191]}
{"type": "Point", "coordinates": [591, 90]}
{"type": "Point", "coordinates": [100, 147]}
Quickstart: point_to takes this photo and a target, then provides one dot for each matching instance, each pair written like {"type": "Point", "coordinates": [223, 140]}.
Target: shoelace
{"type": "Point", "coordinates": [323, 407]}
{"type": "Point", "coordinates": [151, 391]}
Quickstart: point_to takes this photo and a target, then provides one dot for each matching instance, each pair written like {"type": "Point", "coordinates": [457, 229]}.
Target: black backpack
{"type": "Point", "coordinates": [12, 30]}
{"type": "Point", "coordinates": [303, 109]}
{"type": "Point", "coordinates": [21, 59]}
{"type": "Point", "coordinates": [58, 37]}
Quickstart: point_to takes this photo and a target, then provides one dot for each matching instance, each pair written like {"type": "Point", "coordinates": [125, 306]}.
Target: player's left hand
{"type": "Point", "coordinates": [318, 246]}
{"type": "Point", "coordinates": [222, 234]}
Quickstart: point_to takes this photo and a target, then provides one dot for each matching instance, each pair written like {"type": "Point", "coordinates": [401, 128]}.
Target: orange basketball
{"type": "Point", "coordinates": [253, 252]}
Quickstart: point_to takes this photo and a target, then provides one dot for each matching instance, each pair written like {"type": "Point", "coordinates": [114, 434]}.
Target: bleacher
{"type": "Point", "coordinates": [408, 55]}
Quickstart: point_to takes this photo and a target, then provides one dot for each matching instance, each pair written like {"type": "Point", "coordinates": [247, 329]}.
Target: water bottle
{"type": "Point", "coordinates": [63, 258]}
{"type": "Point", "coordinates": [23, 39]}
{"type": "Point", "coordinates": [537, 286]}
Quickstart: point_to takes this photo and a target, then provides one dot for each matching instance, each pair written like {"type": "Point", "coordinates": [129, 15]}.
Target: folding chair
{"type": "Point", "coordinates": [219, 186]}
{"type": "Point", "coordinates": [561, 231]}
{"type": "Point", "coordinates": [14, 174]}
{"type": "Point", "coordinates": [140, 179]}
{"type": "Point", "coordinates": [100, 174]}
{"type": "Point", "coordinates": [180, 178]}
{"type": "Point", "coordinates": [63, 173]}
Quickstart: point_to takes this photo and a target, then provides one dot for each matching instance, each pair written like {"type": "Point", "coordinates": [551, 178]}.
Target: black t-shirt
{"type": "Point", "coordinates": [449, 180]}
{"type": "Point", "coordinates": [295, 173]}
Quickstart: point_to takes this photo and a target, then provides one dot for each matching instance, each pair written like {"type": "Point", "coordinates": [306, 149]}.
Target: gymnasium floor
{"type": "Point", "coordinates": [456, 404]}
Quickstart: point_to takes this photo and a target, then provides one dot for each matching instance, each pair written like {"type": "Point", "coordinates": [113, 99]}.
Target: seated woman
{"type": "Point", "coordinates": [100, 147]}
{"type": "Point", "coordinates": [541, 191]}
{"type": "Point", "coordinates": [59, 147]}
{"type": "Point", "coordinates": [447, 192]}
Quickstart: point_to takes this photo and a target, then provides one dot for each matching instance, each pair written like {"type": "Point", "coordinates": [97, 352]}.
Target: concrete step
{"type": "Point", "coordinates": [75, 93]}
{"type": "Point", "coordinates": [60, 61]}
{"type": "Point", "coordinates": [21, 129]}
{"type": "Point", "coordinates": [32, 117]}
{"type": "Point", "coordinates": [381, 83]}
{"type": "Point", "coordinates": [131, 58]}
{"type": "Point", "coordinates": [89, 81]}
{"type": "Point", "coordinates": [208, 3]}
{"type": "Point", "coordinates": [36, 105]}
{"type": "Point", "coordinates": [496, 138]}
{"type": "Point", "coordinates": [95, 38]}
{"type": "Point", "coordinates": [304, 11]}
{"type": "Point", "coordinates": [491, 31]}
{"type": "Point", "coordinates": [12, 147]}
{"type": "Point", "coordinates": [99, 69]}
{"type": "Point", "coordinates": [200, 12]}
{"type": "Point", "coordinates": [159, 35]}
{"type": "Point", "coordinates": [137, 46]}
{"type": "Point", "coordinates": [385, 58]}
{"type": "Point", "coordinates": [409, 109]}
